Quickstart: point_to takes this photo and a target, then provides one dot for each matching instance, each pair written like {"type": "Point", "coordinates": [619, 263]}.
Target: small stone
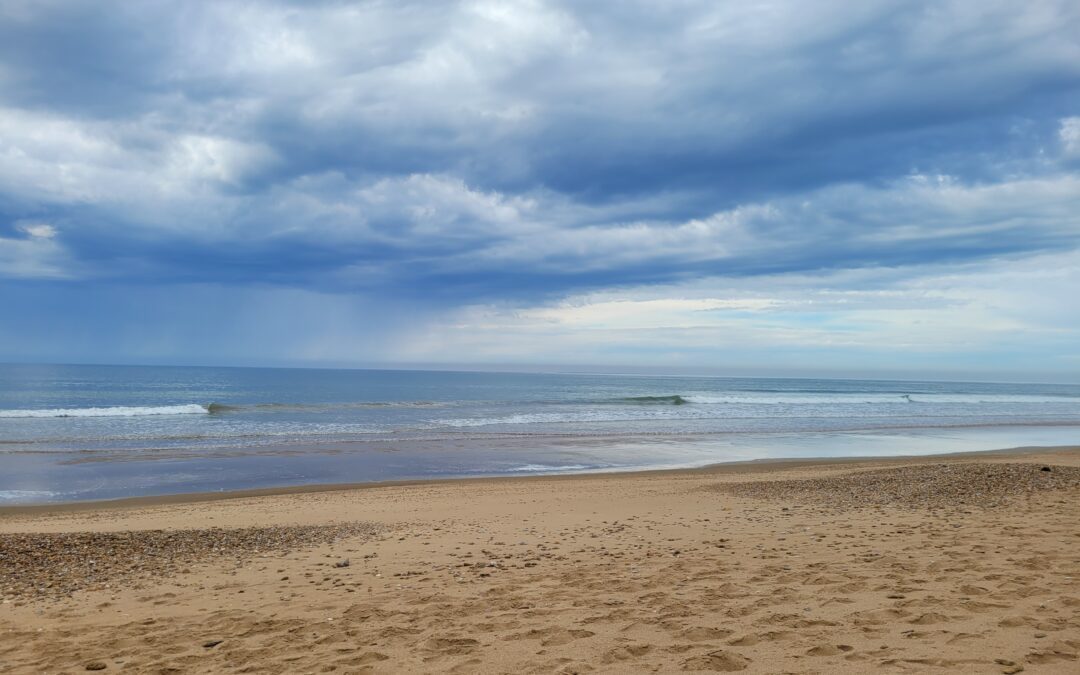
{"type": "Point", "coordinates": [1046, 468]}
{"type": "Point", "coordinates": [210, 644]}
{"type": "Point", "coordinates": [344, 562]}
{"type": "Point", "coordinates": [96, 665]}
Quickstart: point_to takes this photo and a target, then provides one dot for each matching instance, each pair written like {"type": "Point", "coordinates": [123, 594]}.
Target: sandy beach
{"type": "Point", "coordinates": [968, 563]}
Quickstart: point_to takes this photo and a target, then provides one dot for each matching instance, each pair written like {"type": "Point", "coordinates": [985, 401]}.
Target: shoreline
{"type": "Point", "coordinates": [716, 468]}
{"type": "Point", "coordinates": [965, 562]}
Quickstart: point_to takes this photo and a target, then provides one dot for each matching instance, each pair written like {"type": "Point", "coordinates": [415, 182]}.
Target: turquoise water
{"type": "Point", "coordinates": [91, 432]}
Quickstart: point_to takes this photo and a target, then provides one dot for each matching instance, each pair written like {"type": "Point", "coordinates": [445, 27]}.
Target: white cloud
{"type": "Point", "coordinates": [195, 158]}
{"type": "Point", "coordinates": [176, 183]}
{"type": "Point", "coordinates": [932, 212]}
{"type": "Point", "coordinates": [1004, 314]}
{"type": "Point", "coordinates": [137, 170]}
{"type": "Point", "coordinates": [482, 89]}
{"type": "Point", "coordinates": [427, 206]}
{"type": "Point", "coordinates": [36, 230]}
{"type": "Point", "coordinates": [1069, 133]}
{"type": "Point", "coordinates": [37, 256]}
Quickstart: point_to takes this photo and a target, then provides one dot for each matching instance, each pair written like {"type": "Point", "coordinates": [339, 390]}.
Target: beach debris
{"type": "Point", "coordinates": [96, 665]}
{"type": "Point", "coordinates": [210, 644]}
{"type": "Point", "coordinates": [344, 562]}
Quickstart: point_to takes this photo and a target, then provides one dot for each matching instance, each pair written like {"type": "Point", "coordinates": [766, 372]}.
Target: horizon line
{"type": "Point", "coordinates": [553, 369]}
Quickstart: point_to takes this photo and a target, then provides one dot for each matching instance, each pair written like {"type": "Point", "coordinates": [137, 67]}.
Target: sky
{"type": "Point", "coordinates": [779, 188]}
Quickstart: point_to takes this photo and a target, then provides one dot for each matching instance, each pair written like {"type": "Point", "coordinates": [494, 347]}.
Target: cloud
{"type": "Point", "coordinates": [1069, 133]}
{"type": "Point", "coordinates": [36, 230]}
{"type": "Point", "coordinates": [135, 170]}
{"type": "Point", "coordinates": [943, 321]}
{"type": "Point", "coordinates": [516, 154]}
{"type": "Point", "coordinates": [34, 255]}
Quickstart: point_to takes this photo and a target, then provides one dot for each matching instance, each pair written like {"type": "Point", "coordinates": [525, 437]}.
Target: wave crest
{"type": "Point", "coordinates": [115, 411]}
{"type": "Point", "coordinates": [215, 408]}
{"type": "Point", "coordinates": [655, 400]}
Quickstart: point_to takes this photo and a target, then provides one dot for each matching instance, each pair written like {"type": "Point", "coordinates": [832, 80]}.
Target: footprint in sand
{"type": "Point", "coordinates": [929, 619]}
{"type": "Point", "coordinates": [960, 637]}
{"type": "Point", "coordinates": [364, 659]}
{"type": "Point", "coordinates": [470, 666]}
{"type": "Point", "coordinates": [829, 650]}
{"type": "Point", "coordinates": [552, 637]}
{"type": "Point", "coordinates": [625, 653]}
{"type": "Point", "coordinates": [877, 616]}
{"type": "Point", "coordinates": [702, 633]}
{"type": "Point", "coordinates": [438, 647]}
{"type": "Point", "coordinates": [718, 661]}
{"type": "Point", "coordinates": [1062, 650]}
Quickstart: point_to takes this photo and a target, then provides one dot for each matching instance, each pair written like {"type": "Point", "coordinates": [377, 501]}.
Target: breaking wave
{"type": "Point", "coordinates": [115, 411]}
{"type": "Point", "coordinates": [26, 496]}
{"type": "Point", "coordinates": [215, 408]}
{"type": "Point", "coordinates": [844, 398]}
{"type": "Point", "coordinates": [542, 468]}
{"type": "Point", "coordinates": [210, 408]}
{"type": "Point", "coordinates": [655, 400]}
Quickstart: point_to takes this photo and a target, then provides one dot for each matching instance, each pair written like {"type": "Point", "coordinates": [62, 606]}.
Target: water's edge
{"type": "Point", "coordinates": [720, 468]}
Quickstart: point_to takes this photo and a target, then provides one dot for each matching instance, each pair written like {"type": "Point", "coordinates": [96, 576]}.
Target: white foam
{"type": "Point", "coordinates": [25, 495]}
{"type": "Point", "coordinates": [545, 467]}
{"type": "Point", "coordinates": [117, 411]}
{"type": "Point", "coordinates": [559, 418]}
{"type": "Point", "coordinates": [772, 405]}
{"type": "Point", "coordinates": [771, 398]}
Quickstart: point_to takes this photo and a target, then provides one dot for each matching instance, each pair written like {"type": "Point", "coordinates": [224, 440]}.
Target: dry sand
{"type": "Point", "coordinates": [967, 563]}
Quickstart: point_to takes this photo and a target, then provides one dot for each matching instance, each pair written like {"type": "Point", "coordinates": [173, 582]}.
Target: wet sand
{"type": "Point", "coordinates": [968, 563]}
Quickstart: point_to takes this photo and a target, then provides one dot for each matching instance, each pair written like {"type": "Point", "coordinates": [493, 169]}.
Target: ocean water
{"type": "Point", "coordinates": [95, 432]}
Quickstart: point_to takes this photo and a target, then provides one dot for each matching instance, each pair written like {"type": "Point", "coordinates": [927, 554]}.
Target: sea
{"type": "Point", "coordinates": [89, 432]}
